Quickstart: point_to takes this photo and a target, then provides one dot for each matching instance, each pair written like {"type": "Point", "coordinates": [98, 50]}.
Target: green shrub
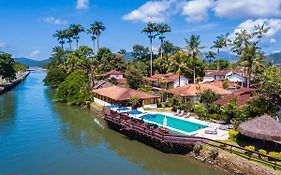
{"type": "Point", "coordinates": [249, 149]}
{"type": "Point", "coordinates": [223, 144]}
{"type": "Point", "coordinates": [264, 152]}
{"type": "Point", "coordinates": [276, 155]}
{"type": "Point", "coordinates": [232, 134]}
{"type": "Point", "coordinates": [214, 116]}
{"type": "Point", "coordinates": [200, 110]}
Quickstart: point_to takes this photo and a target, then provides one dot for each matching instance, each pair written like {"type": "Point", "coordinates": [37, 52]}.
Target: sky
{"type": "Point", "coordinates": [27, 26]}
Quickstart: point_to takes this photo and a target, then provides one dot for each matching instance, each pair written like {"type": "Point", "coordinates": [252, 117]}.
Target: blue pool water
{"type": "Point", "coordinates": [135, 112]}
{"type": "Point", "coordinates": [182, 125]}
{"type": "Point", "coordinates": [123, 109]}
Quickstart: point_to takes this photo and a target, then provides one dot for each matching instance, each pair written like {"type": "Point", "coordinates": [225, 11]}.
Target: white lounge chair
{"type": "Point", "coordinates": [181, 113]}
{"type": "Point", "coordinates": [177, 113]}
{"type": "Point", "coordinates": [211, 131]}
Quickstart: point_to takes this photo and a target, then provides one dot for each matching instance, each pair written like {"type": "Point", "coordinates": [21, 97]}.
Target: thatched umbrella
{"type": "Point", "coordinates": [264, 128]}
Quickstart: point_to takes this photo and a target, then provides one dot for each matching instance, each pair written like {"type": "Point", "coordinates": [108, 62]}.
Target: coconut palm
{"type": "Point", "coordinates": [242, 38]}
{"type": "Point", "coordinates": [221, 42]}
{"type": "Point", "coordinates": [96, 29]}
{"type": "Point", "coordinates": [60, 35]}
{"type": "Point", "coordinates": [211, 55]}
{"type": "Point", "coordinates": [251, 58]}
{"type": "Point", "coordinates": [179, 64]}
{"type": "Point", "coordinates": [161, 29]}
{"type": "Point", "coordinates": [150, 31]}
{"type": "Point", "coordinates": [260, 30]}
{"type": "Point", "coordinates": [76, 29]}
{"type": "Point", "coordinates": [194, 49]}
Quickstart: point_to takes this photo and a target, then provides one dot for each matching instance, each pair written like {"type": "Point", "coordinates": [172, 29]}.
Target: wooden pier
{"type": "Point", "coordinates": [149, 134]}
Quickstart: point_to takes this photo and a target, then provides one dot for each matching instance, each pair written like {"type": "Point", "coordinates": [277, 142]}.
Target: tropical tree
{"type": "Point", "coordinates": [96, 29]}
{"type": "Point", "coordinates": [61, 36]}
{"type": "Point", "coordinates": [134, 77]}
{"type": "Point", "coordinates": [210, 56]}
{"type": "Point", "coordinates": [221, 42]}
{"type": "Point", "coordinates": [92, 32]}
{"type": "Point", "coordinates": [194, 48]}
{"type": "Point", "coordinates": [251, 58]}
{"type": "Point", "coordinates": [76, 29]}
{"type": "Point", "coordinates": [161, 29]}
{"type": "Point", "coordinates": [150, 31]}
{"type": "Point", "coordinates": [178, 63]}
{"type": "Point", "coordinates": [122, 52]}
{"type": "Point", "coordinates": [69, 35]}
{"type": "Point", "coordinates": [7, 70]}
{"type": "Point", "coordinates": [140, 52]}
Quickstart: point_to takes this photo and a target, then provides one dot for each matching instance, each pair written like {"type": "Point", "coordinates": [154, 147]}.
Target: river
{"type": "Point", "coordinates": [40, 137]}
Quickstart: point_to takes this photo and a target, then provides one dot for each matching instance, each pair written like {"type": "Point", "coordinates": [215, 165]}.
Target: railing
{"type": "Point", "coordinates": [172, 138]}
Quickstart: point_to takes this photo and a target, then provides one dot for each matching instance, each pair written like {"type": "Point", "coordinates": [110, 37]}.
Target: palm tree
{"type": "Point", "coordinates": [150, 31]}
{"type": "Point", "coordinates": [76, 29]}
{"type": "Point", "coordinates": [122, 52]}
{"type": "Point", "coordinates": [178, 63]}
{"type": "Point", "coordinates": [221, 42]}
{"type": "Point", "coordinates": [69, 35]}
{"type": "Point", "coordinates": [94, 37]}
{"type": "Point", "coordinates": [96, 29]}
{"type": "Point", "coordinates": [260, 30]}
{"type": "Point", "coordinates": [210, 56]}
{"type": "Point", "coordinates": [241, 39]}
{"type": "Point", "coordinates": [161, 29]}
{"type": "Point", "coordinates": [251, 58]}
{"type": "Point", "coordinates": [194, 47]}
{"type": "Point", "coordinates": [60, 35]}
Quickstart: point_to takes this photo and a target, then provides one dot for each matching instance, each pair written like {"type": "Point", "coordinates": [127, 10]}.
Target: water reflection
{"type": "Point", "coordinates": [7, 111]}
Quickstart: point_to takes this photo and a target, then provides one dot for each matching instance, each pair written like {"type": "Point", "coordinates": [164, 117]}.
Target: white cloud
{"type": "Point", "coordinates": [152, 11]}
{"type": "Point", "coordinates": [82, 4]}
{"type": "Point", "coordinates": [249, 26]}
{"type": "Point", "coordinates": [2, 45]}
{"type": "Point", "coordinates": [56, 21]}
{"type": "Point", "coordinates": [196, 10]}
{"type": "Point", "coordinates": [247, 8]}
{"type": "Point", "coordinates": [35, 53]}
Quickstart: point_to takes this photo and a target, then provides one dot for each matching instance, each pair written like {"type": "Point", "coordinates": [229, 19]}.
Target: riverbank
{"type": "Point", "coordinates": [10, 85]}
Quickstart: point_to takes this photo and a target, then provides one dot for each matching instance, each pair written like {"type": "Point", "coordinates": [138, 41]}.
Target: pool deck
{"type": "Point", "coordinates": [221, 134]}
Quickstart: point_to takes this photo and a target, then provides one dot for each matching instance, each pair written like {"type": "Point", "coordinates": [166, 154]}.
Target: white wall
{"type": "Point", "coordinates": [183, 81]}
{"type": "Point", "coordinates": [101, 102]}
{"type": "Point", "coordinates": [236, 78]}
{"type": "Point", "coordinates": [206, 79]}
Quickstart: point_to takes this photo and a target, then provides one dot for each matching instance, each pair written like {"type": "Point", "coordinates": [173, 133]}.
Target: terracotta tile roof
{"type": "Point", "coordinates": [212, 73]}
{"type": "Point", "coordinates": [192, 90]}
{"type": "Point", "coordinates": [242, 95]}
{"type": "Point", "coordinates": [122, 80]}
{"type": "Point", "coordinates": [219, 83]}
{"type": "Point", "coordinates": [122, 93]}
{"type": "Point", "coordinates": [112, 72]}
{"type": "Point", "coordinates": [102, 84]}
{"type": "Point", "coordinates": [169, 77]}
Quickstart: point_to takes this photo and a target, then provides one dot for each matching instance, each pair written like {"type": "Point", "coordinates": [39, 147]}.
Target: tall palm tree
{"type": "Point", "coordinates": [211, 55]}
{"type": "Point", "coordinates": [178, 63]}
{"type": "Point", "coordinates": [251, 58]}
{"type": "Point", "coordinates": [94, 37]}
{"type": "Point", "coordinates": [96, 29]}
{"type": "Point", "coordinates": [150, 31]}
{"type": "Point", "coordinates": [260, 30]}
{"type": "Point", "coordinates": [194, 49]}
{"type": "Point", "coordinates": [161, 29]}
{"type": "Point", "coordinates": [60, 35]}
{"type": "Point", "coordinates": [76, 29]}
{"type": "Point", "coordinates": [221, 42]}
{"type": "Point", "coordinates": [242, 38]}
{"type": "Point", "coordinates": [69, 35]}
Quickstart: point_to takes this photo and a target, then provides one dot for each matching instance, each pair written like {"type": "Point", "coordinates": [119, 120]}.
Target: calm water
{"type": "Point", "coordinates": [39, 137]}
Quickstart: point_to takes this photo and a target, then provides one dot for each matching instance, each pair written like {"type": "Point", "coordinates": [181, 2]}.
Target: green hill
{"type": "Point", "coordinates": [275, 58]}
{"type": "Point", "coordinates": [30, 62]}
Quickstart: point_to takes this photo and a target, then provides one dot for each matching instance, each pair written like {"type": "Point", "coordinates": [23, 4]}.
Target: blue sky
{"type": "Point", "coordinates": [27, 26]}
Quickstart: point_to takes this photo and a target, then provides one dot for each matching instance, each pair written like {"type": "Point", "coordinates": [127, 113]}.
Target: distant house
{"type": "Point", "coordinates": [232, 86]}
{"type": "Point", "coordinates": [172, 80]}
{"type": "Point", "coordinates": [243, 96]}
{"type": "Point", "coordinates": [192, 91]}
{"type": "Point", "coordinates": [119, 76]}
{"type": "Point", "coordinates": [232, 76]}
{"type": "Point", "coordinates": [122, 95]}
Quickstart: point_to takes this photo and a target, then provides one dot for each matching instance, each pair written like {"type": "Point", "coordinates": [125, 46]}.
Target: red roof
{"type": "Point", "coordinates": [121, 80]}
{"type": "Point", "coordinates": [242, 95]}
{"type": "Point", "coordinates": [112, 72]}
{"type": "Point", "coordinates": [192, 90]}
{"type": "Point", "coordinates": [122, 93]}
{"type": "Point", "coordinates": [219, 83]}
{"type": "Point", "coordinates": [169, 77]}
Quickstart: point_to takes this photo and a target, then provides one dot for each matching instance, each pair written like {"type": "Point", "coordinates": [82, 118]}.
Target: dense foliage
{"type": "Point", "coordinates": [7, 70]}
{"type": "Point", "coordinates": [54, 77]}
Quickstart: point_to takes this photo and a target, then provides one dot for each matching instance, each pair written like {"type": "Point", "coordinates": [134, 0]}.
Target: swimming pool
{"type": "Point", "coordinates": [181, 125]}
{"type": "Point", "coordinates": [135, 112]}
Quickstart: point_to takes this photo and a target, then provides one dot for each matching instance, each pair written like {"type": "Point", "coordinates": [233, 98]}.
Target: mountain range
{"type": "Point", "coordinates": [31, 63]}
